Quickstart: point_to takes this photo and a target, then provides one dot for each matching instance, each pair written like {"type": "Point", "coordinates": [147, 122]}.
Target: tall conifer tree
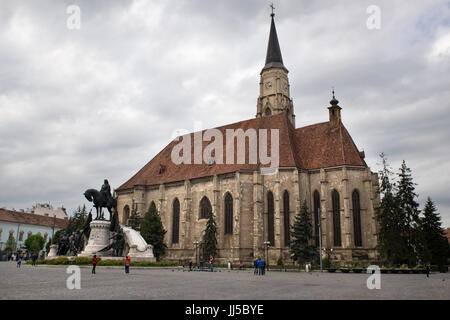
{"type": "Point", "coordinates": [152, 230]}
{"type": "Point", "coordinates": [408, 213]}
{"type": "Point", "coordinates": [210, 237]}
{"type": "Point", "coordinates": [301, 235]}
{"type": "Point", "coordinates": [435, 247]}
{"type": "Point", "coordinates": [390, 243]}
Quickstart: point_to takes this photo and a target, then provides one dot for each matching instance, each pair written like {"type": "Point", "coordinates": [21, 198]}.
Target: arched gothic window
{"type": "Point", "coordinates": [205, 208]}
{"type": "Point", "coordinates": [357, 219]}
{"type": "Point", "coordinates": [287, 237]}
{"type": "Point", "coordinates": [268, 112]}
{"type": "Point", "coordinates": [270, 219]}
{"type": "Point", "coordinates": [228, 214]}
{"type": "Point", "coordinates": [336, 219]}
{"type": "Point", "coordinates": [153, 206]}
{"type": "Point", "coordinates": [176, 221]}
{"type": "Point", "coordinates": [126, 214]}
{"type": "Point", "coordinates": [316, 216]}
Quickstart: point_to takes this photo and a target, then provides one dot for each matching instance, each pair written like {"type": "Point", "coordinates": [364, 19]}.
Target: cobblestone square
{"type": "Point", "coordinates": [45, 282]}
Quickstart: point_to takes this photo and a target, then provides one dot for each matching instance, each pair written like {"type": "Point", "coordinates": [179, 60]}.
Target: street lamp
{"type": "Point", "coordinates": [320, 239]}
{"type": "Point", "coordinates": [328, 252]}
{"type": "Point", "coordinates": [196, 246]}
{"type": "Point", "coordinates": [267, 245]}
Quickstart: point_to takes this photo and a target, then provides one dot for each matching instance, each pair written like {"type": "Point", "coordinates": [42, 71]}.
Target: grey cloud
{"type": "Point", "coordinates": [148, 68]}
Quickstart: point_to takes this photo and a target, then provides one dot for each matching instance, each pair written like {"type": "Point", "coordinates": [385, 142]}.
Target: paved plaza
{"type": "Point", "coordinates": [47, 282]}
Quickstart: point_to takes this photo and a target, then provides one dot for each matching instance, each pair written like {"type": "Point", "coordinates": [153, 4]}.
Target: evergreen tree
{"type": "Point", "coordinates": [210, 237]}
{"type": "Point", "coordinates": [435, 247]}
{"type": "Point", "coordinates": [408, 209]}
{"type": "Point", "coordinates": [57, 235]}
{"type": "Point", "coordinates": [152, 230]}
{"type": "Point", "coordinates": [78, 218]}
{"type": "Point", "coordinates": [301, 235]}
{"type": "Point", "coordinates": [391, 245]}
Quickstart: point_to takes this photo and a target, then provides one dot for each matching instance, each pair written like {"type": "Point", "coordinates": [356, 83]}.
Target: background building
{"type": "Point", "coordinates": [46, 209]}
{"type": "Point", "coordinates": [22, 225]}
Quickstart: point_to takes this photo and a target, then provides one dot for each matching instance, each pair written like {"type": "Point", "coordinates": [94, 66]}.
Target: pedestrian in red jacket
{"type": "Point", "coordinates": [127, 264]}
{"type": "Point", "coordinates": [94, 263]}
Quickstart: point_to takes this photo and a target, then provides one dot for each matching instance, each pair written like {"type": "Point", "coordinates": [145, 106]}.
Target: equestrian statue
{"type": "Point", "coordinates": [102, 199]}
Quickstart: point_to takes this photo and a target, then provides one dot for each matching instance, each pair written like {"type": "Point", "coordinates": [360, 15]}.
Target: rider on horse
{"type": "Point", "coordinates": [106, 191]}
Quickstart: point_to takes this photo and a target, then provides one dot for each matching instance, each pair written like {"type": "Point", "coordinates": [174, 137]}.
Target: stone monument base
{"type": "Point", "coordinates": [98, 239]}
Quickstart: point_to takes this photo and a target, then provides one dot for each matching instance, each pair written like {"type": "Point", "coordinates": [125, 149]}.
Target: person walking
{"type": "Point", "coordinates": [259, 264]}
{"type": "Point", "coordinates": [428, 270]}
{"type": "Point", "coordinates": [19, 262]}
{"type": "Point", "coordinates": [33, 259]}
{"type": "Point", "coordinates": [94, 263]}
{"type": "Point", "coordinates": [127, 264]}
{"type": "Point", "coordinates": [211, 263]}
{"type": "Point", "coordinates": [201, 264]}
{"type": "Point", "coordinates": [255, 266]}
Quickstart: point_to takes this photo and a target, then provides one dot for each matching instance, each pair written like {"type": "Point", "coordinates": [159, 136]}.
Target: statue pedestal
{"type": "Point", "coordinates": [98, 239]}
{"type": "Point", "coordinates": [53, 251]}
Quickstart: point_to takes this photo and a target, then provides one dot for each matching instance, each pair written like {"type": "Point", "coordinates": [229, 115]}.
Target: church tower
{"type": "Point", "coordinates": [274, 96]}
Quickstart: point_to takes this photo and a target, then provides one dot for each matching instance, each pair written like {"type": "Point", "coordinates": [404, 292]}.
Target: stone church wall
{"type": "Point", "coordinates": [249, 191]}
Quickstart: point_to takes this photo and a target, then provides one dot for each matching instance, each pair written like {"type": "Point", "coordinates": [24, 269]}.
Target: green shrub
{"type": "Point", "coordinates": [326, 263]}
{"type": "Point", "coordinates": [280, 261]}
{"type": "Point", "coordinates": [154, 264]}
{"type": "Point", "coordinates": [81, 261]}
{"type": "Point", "coordinates": [59, 260]}
{"type": "Point", "coordinates": [111, 262]}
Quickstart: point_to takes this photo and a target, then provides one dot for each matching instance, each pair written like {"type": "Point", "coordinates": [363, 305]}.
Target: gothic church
{"type": "Point", "coordinates": [319, 164]}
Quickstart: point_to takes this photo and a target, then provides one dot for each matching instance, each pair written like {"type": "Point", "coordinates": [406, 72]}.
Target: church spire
{"type": "Point", "coordinates": [273, 56]}
{"type": "Point", "coordinates": [274, 96]}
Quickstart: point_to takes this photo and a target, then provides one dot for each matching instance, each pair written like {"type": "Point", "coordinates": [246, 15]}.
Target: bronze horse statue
{"type": "Point", "coordinates": [100, 202]}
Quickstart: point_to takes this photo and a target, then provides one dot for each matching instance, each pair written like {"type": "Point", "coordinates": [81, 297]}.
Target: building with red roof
{"type": "Point", "coordinates": [255, 202]}
{"type": "Point", "coordinates": [20, 225]}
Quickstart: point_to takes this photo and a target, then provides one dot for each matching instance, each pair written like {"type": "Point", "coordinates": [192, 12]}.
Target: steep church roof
{"type": "Point", "coordinates": [308, 148]}
{"type": "Point", "coordinates": [317, 146]}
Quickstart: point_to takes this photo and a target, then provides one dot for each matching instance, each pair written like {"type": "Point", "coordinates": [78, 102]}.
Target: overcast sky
{"type": "Point", "coordinates": [81, 105]}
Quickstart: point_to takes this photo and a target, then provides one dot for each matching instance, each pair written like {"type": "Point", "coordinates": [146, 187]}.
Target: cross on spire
{"type": "Point", "coordinates": [273, 8]}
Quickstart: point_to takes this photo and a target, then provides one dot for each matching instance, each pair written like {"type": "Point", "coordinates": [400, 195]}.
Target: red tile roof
{"type": "Point", "coordinates": [30, 218]}
{"type": "Point", "coordinates": [312, 147]}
